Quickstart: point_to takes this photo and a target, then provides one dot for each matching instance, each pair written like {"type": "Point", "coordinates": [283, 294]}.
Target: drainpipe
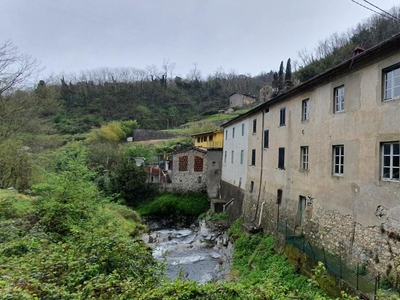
{"type": "Point", "coordinates": [225, 205]}
{"type": "Point", "coordinates": [259, 221]}
{"type": "Point", "coordinates": [262, 162]}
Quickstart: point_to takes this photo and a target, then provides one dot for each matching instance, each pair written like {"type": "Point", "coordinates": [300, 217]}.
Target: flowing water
{"type": "Point", "coordinates": [195, 254]}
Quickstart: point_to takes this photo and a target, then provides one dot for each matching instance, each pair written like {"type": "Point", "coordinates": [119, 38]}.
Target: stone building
{"type": "Point", "coordinates": [189, 170]}
{"type": "Point", "coordinates": [240, 100]}
{"type": "Point", "coordinates": [324, 157]}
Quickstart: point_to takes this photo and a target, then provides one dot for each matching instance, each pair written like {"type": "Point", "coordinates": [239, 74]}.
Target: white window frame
{"type": "Point", "coordinates": [389, 156]}
{"type": "Point", "coordinates": [338, 160]}
{"type": "Point", "coordinates": [305, 110]}
{"type": "Point", "coordinates": [338, 103]}
{"type": "Point", "coordinates": [304, 151]}
{"type": "Point", "coordinates": [391, 83]}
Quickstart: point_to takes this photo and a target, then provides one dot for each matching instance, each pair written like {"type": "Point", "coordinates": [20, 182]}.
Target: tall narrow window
{"type": "Point", "coordinates": [233, 132]}
{"type": "Point", "coordinates": [305, 110]}
{"type": "Point", "coordinates": [304, 158]}
{"type": "Point", "coordinates": [251, 186]}
{"type": "Point", "coordinates": [183, 163]}
{"type": "Point", "coordinates": [302, 210]}
{"type": "Point", "coordinates": [266, 138]}
{"type": "Point", "coordinates": [390, 161]}
{"type": "Point", "coordinates": [226, 134]}
{"type": "Point", "coordinates": [225, 156]}
{"type": "Point", "coordinates": [241, 157]}
{"type": "Point", "coordinates": [232, 156]}
{"type": "Point", "coordinates": [210, 138]}
{"type": "Point", "coordinates": [338, 99]}
{"type": "Point", "coordinates": [253, 157]}
{"type": "Point", "coordinates": [279, 197]}
{"type": "Point", "coordinates": [254, 125]}
{"type": "Point", "coordinates": [391, 84]}
{"type": "Point", "coordinates": [243, 129]}
{"type": "Point", "coordinates": [281, 158]}
{"type": "Point", "coordinates": [338, 160]}
{"type": "Point", "coordinates": [282, 118]}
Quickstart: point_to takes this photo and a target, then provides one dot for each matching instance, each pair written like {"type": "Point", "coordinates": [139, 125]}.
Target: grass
{"type": "Point", "coordinates": [13, 204]}
{"type": "Point", "coordinates": [189, 204]}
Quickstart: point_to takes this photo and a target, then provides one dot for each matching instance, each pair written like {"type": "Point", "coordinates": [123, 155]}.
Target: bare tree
{"type": "Point", "coordinates": [15, 68]}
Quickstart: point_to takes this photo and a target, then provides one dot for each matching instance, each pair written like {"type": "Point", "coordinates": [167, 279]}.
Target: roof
{"type": "Point", "coordinates": [198, 149]}
{"type": "Point", "coordinates": [207, 132]}
{"type": "Point", "coordinates": [251, 96]}
{"type": "Point", "coordinates": [363, 59]}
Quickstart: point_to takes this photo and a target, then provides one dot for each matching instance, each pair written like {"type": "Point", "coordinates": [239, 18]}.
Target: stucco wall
{"type": "Point", "coordinates": [214, 167]}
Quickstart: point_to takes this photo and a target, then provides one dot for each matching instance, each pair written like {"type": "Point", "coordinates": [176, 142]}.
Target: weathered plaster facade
{"type": "Point", "coordinates": [339, 197]}
{"type": "Point", "coordinates": [240, 100]}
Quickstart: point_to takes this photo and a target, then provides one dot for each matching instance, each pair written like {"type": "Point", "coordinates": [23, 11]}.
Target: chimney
{"type": "Point", "coordinates": [357, 50]}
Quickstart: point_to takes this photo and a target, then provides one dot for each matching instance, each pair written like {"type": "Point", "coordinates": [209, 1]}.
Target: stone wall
{"type": "Point", "coordinates": [235, 208]}
{"type": "Point", "coordinates": [147, 135]}
{"type": "Point", "coordinates": [214, 166]}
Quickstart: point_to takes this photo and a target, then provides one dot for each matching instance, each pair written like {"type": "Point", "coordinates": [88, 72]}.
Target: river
{"type": "Point", "coordinates": [195, 253]}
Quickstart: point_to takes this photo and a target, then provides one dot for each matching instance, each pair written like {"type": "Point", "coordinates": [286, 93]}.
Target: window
{"type": "Point", "coordinates": [210, 138]}
{"type": "Point", "coordinates": [339, 99]}
{"type": "Point", "coordinates": [253, 157]}
{"type": "Point", "coordinates": [232, 155]}
{"type": "Point", "coordinates": [266, 138]}
{"type": "Point", "coordinates": [304, 158]}
{"type": "Point", "coordinates": [225, 156]}
{"type": "Point", "coordinates": [279, 197]}
{"type": "Point", "coordinates": [198, 139]}
{"type": "Point", "coordinates": [282, 119]}
{"type": "Point", "coordinates": [241, 157]}
{"type": "Point", "coordinates": [251, 186]}
{"type": "Point", "coordinates": [226, 134]}
{"type": "Point", "coordinates": [390, 161]}
{"type": "Point", "coordinates": [243, 129]}
{"type": "Point", "coordinates": [391, 83]}
{"type": "Point", "coordinates": [302, 210]}
{"type": "Point", "coordinates": [198, 164]}
{"type": "Point", "coordinates": [254, 125]}
{"type": "Point", "coordinates": [305, 110]}
{"type": "Point", "coordinates": [233, 132]}
{"type": "Point", "coordinates": [183, 163]}
{"type": "Point", "coordinates": [205, 138]}
{"type": "Point", "coordinates": [281, 158]}
{"type": "Point", "coordinates": [338, 160]}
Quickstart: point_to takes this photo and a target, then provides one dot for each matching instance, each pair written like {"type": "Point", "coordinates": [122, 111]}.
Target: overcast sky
{"type": "Point", "coordinates": [249, 36]}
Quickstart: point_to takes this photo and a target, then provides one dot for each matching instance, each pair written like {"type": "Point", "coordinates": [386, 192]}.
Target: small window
{"type": "Point", "coordinates": [232, 156]}
{"type": "Point", "coordinates": [302, 210]}
{"type": "Point", "coordinates": [338, 160]}
{"type": "Point", "coordinates": [281, 158]}
{"type": "Point", "coordinates": [210, 138]}
{"type": "Point", "coordinates": [254, 125]}
{"type": "Point", "coordinates": [266, 138]}
{"type": "Point", "coordinates": [243, 129]}
{"type": "Point", "coordinates": [225, 157]}
{"type": "Point", "coordinates": [253, 157]}
{"type": "Point", "coordinates": [226, 134]}
{"type": "Point", "coordinates": [390, 161]}
{"type": "Point", "coordinates": [205, 138]}
{"type": "Point", "coordinates": [233, 132]}
{"type": "Point", "coordinates": [305, 110]}
{"type": "Point", "coordinates": [279, 197]}
{"type": "Point", "coordinates": [241, 157]}
{"type": "Point", "coordinates": [251, 186]}
{"type": "Point", "coordinates": [391, 83]}
{"type": "Point", "coordinates": [338, 99]}
{"type": "Point", "coordinates": [304, 158]}
{"type": "Point", "coordinates": [282, 118]}
{"type": "Point", "coordinates": [198, 139]}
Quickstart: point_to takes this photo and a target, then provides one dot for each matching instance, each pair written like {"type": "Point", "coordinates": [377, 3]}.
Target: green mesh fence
{"type": "Point", "coordinates": [356, 277]}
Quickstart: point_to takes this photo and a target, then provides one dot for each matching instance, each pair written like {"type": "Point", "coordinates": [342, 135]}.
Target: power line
{"type": "Point", "coordinates": [394, 17]}
{"type": "Point", "coordinates": [369, 8]}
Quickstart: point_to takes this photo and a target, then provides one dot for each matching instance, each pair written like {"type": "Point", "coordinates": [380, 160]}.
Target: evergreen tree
{"type": "Point", "coordinates": [280, 76]}
{"type": "Point", "coordinates": [288, 74]}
